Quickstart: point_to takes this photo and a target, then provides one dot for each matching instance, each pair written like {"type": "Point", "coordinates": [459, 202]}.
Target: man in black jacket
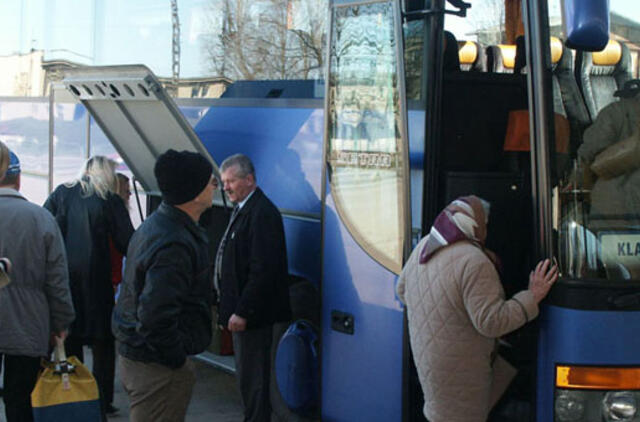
{"type": "Point", "coordinates": [251, 275]}
{"type": "Point", "coordinates": [163, 313]}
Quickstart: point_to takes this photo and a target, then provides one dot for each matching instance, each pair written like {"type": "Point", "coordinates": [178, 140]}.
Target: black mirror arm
{"type": "Point", "coordinates": [461, 5]}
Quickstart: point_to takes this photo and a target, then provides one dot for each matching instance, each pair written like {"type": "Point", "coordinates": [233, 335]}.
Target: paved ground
{"type": "Point", "coordinates": [215, 397]}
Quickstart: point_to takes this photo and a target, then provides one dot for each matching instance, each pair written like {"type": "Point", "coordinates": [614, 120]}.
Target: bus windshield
{"type": "Point", "coordinates": [596, 200]}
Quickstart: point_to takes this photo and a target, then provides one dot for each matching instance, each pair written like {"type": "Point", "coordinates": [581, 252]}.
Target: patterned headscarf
{"type": "Point", "coordinates": [464, 219]}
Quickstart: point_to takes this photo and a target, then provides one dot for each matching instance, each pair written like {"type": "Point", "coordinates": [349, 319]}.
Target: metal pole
{"type": "Point", "coordinates": [540, 121]}
{"type": "Point", "coordinates": [88, 135]}
{"type": "Point", "coordinates": [51, 132]}
{"type": "Point", "coordinates": [175, 46]}
{"type": "Point", "coordinates": [431, 93]}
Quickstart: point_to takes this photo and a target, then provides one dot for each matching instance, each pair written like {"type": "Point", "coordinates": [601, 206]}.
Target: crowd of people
{"type": "Point", "coordinates": [63, 263]}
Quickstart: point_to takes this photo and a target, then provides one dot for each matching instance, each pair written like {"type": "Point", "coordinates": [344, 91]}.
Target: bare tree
{"type": "Point", "coordinates": [259, 39]}
{"type": "Point", "coordinates": [487, 18]}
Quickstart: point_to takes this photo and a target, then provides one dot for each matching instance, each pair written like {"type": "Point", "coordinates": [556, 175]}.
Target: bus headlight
{"type": "Point", "coordinates": [569, 406]}
{"type": "Point", "coordinates": [619, 406]}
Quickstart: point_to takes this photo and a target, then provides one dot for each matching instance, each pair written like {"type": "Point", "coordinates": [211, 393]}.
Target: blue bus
{"type": "Point", "coordinates": [421, 102]}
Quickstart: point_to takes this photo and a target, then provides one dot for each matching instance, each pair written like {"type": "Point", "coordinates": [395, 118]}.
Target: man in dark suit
{"type": "Point", "coordinates": [251, 276]}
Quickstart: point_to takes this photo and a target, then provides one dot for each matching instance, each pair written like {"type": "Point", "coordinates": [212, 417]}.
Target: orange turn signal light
{"type": "Point", "coordinates": [598, 378]}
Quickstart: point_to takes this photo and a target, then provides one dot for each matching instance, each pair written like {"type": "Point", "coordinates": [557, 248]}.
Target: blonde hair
{"type": "Point", "coordinates": [98, 175]}
{"type": "Point", "coordinates": [4, 159]}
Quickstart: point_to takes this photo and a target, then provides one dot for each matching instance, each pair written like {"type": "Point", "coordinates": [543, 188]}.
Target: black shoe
{"type": "Point", "coordinates": [110, 409]}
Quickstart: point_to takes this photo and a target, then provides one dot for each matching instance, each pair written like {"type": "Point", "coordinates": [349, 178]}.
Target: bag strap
{"type": "Point", "coordinates": [64, 367]}
{"type": "Point", "coordinates": [60, 355]}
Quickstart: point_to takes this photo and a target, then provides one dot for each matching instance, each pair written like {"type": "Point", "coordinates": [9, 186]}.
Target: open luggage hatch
{"type": "Point", "coordinates": [136, 114]}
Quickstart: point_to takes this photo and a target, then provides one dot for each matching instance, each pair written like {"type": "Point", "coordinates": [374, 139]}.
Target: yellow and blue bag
{"type": "Point", "coordinates": [65, 391]}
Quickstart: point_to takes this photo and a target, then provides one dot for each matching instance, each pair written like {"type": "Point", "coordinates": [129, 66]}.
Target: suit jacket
{"type": "Point", "coordinates": [254, 276]}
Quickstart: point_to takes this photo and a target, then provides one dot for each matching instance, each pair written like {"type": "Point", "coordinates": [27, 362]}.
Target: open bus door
{"type": "Point", "coordinates": [366, 214]}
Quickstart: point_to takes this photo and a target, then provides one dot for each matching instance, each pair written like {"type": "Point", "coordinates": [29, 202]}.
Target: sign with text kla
{"type": "Point", "coordinates": [621, 250]}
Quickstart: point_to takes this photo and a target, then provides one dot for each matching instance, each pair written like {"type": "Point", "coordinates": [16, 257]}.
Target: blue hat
{"type": "Point", "coordinates": [14, 164]}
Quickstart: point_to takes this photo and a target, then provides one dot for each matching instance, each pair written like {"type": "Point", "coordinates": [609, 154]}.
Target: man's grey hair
{"type": "Point", "coordinates": [242, 162]}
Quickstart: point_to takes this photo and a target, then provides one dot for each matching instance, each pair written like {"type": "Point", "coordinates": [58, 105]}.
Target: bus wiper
{"type": "Point", "coordinates": [460, 5]}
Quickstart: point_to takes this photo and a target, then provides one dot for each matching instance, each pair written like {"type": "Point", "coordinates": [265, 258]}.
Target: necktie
{"type": "Point", "coordinates": [223, 242]}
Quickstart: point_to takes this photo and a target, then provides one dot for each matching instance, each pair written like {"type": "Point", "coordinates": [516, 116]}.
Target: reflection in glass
{"type": "Point", "coordinates": [365, 146]}
{"type": "Point", "coordinates": [598, 197]}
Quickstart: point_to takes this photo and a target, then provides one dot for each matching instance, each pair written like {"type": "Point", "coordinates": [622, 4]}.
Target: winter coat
{"type": "Point", "coordinates": [86, 224]}
{"type": "Point", "coordinates": [456, 311]}
{"type": "Point", "coordinates": [619, 195]}
{"type": "Point", "coordinates": [254, 280]}
{"type": "Point", "coordinates": [38, 300]}
{"type": "Point", "coordinates": [164, 308]}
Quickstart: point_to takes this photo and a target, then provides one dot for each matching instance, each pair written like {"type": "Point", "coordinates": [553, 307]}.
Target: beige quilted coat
{"type": "Point", "coordinates": [456, 311]}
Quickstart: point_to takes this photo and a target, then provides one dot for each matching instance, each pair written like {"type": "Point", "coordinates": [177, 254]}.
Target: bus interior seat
{"type": "Point", "coordinates": [472, 57]}
{"type": "Point", "coordinates": [501, 58]}
{"type": "Point", "coordinates": [567, 99]}
{"type": "Point", "coordinates": [451, 62]}
{"type": "Point", "coordinates": [600, 74]}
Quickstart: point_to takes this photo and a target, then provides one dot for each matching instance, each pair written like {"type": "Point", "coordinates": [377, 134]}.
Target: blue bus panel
{"type": "Point", "coordinates": [284, 143]}
{"type": "Point", "coordinates": [578, 337]}
{"type": "Point", "coordinates": [361, 372]}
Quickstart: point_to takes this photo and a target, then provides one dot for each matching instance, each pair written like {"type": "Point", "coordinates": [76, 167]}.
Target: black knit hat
{"type": "Point", "coordinates": [181, 175]}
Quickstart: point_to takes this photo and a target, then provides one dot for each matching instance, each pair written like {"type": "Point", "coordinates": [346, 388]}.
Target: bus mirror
{"type": "Point", "coordinates": [586, 24]}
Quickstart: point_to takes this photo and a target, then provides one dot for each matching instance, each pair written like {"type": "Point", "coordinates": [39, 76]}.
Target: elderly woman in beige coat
{"type": "Point", "coordinates": [457, 310]}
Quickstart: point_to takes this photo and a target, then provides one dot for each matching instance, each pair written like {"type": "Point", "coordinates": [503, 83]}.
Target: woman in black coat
{"type": "Point", "coordinates": [89, 212]}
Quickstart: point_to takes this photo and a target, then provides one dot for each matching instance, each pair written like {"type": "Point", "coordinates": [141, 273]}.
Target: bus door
{"type": "Point", "coordinates": [366, 217]}
{"type": "Point", "coordinates": [476, 110]}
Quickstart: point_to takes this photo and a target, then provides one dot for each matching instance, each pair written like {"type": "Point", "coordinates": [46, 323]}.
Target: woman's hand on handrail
{"type": "Point", "coordinates": [542, 278]}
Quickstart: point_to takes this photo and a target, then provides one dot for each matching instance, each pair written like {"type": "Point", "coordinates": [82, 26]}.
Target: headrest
{"type": "Point", "coordinates": [610, 56]}
{"type": "Point", "coordinates": [508, 55]}
{"type": "Point", "coordinates": [556, 50]}
{"type": "Point", "coordinates": [556, 47]}
{"type": "Point", "coordinates": [467, 52]}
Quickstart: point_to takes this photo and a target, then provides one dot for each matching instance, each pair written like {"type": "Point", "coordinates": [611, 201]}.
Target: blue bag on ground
{"type": "Point", "coordinates": [65, 391]}
{"type": "Point", "coordinates": [296, 368]}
